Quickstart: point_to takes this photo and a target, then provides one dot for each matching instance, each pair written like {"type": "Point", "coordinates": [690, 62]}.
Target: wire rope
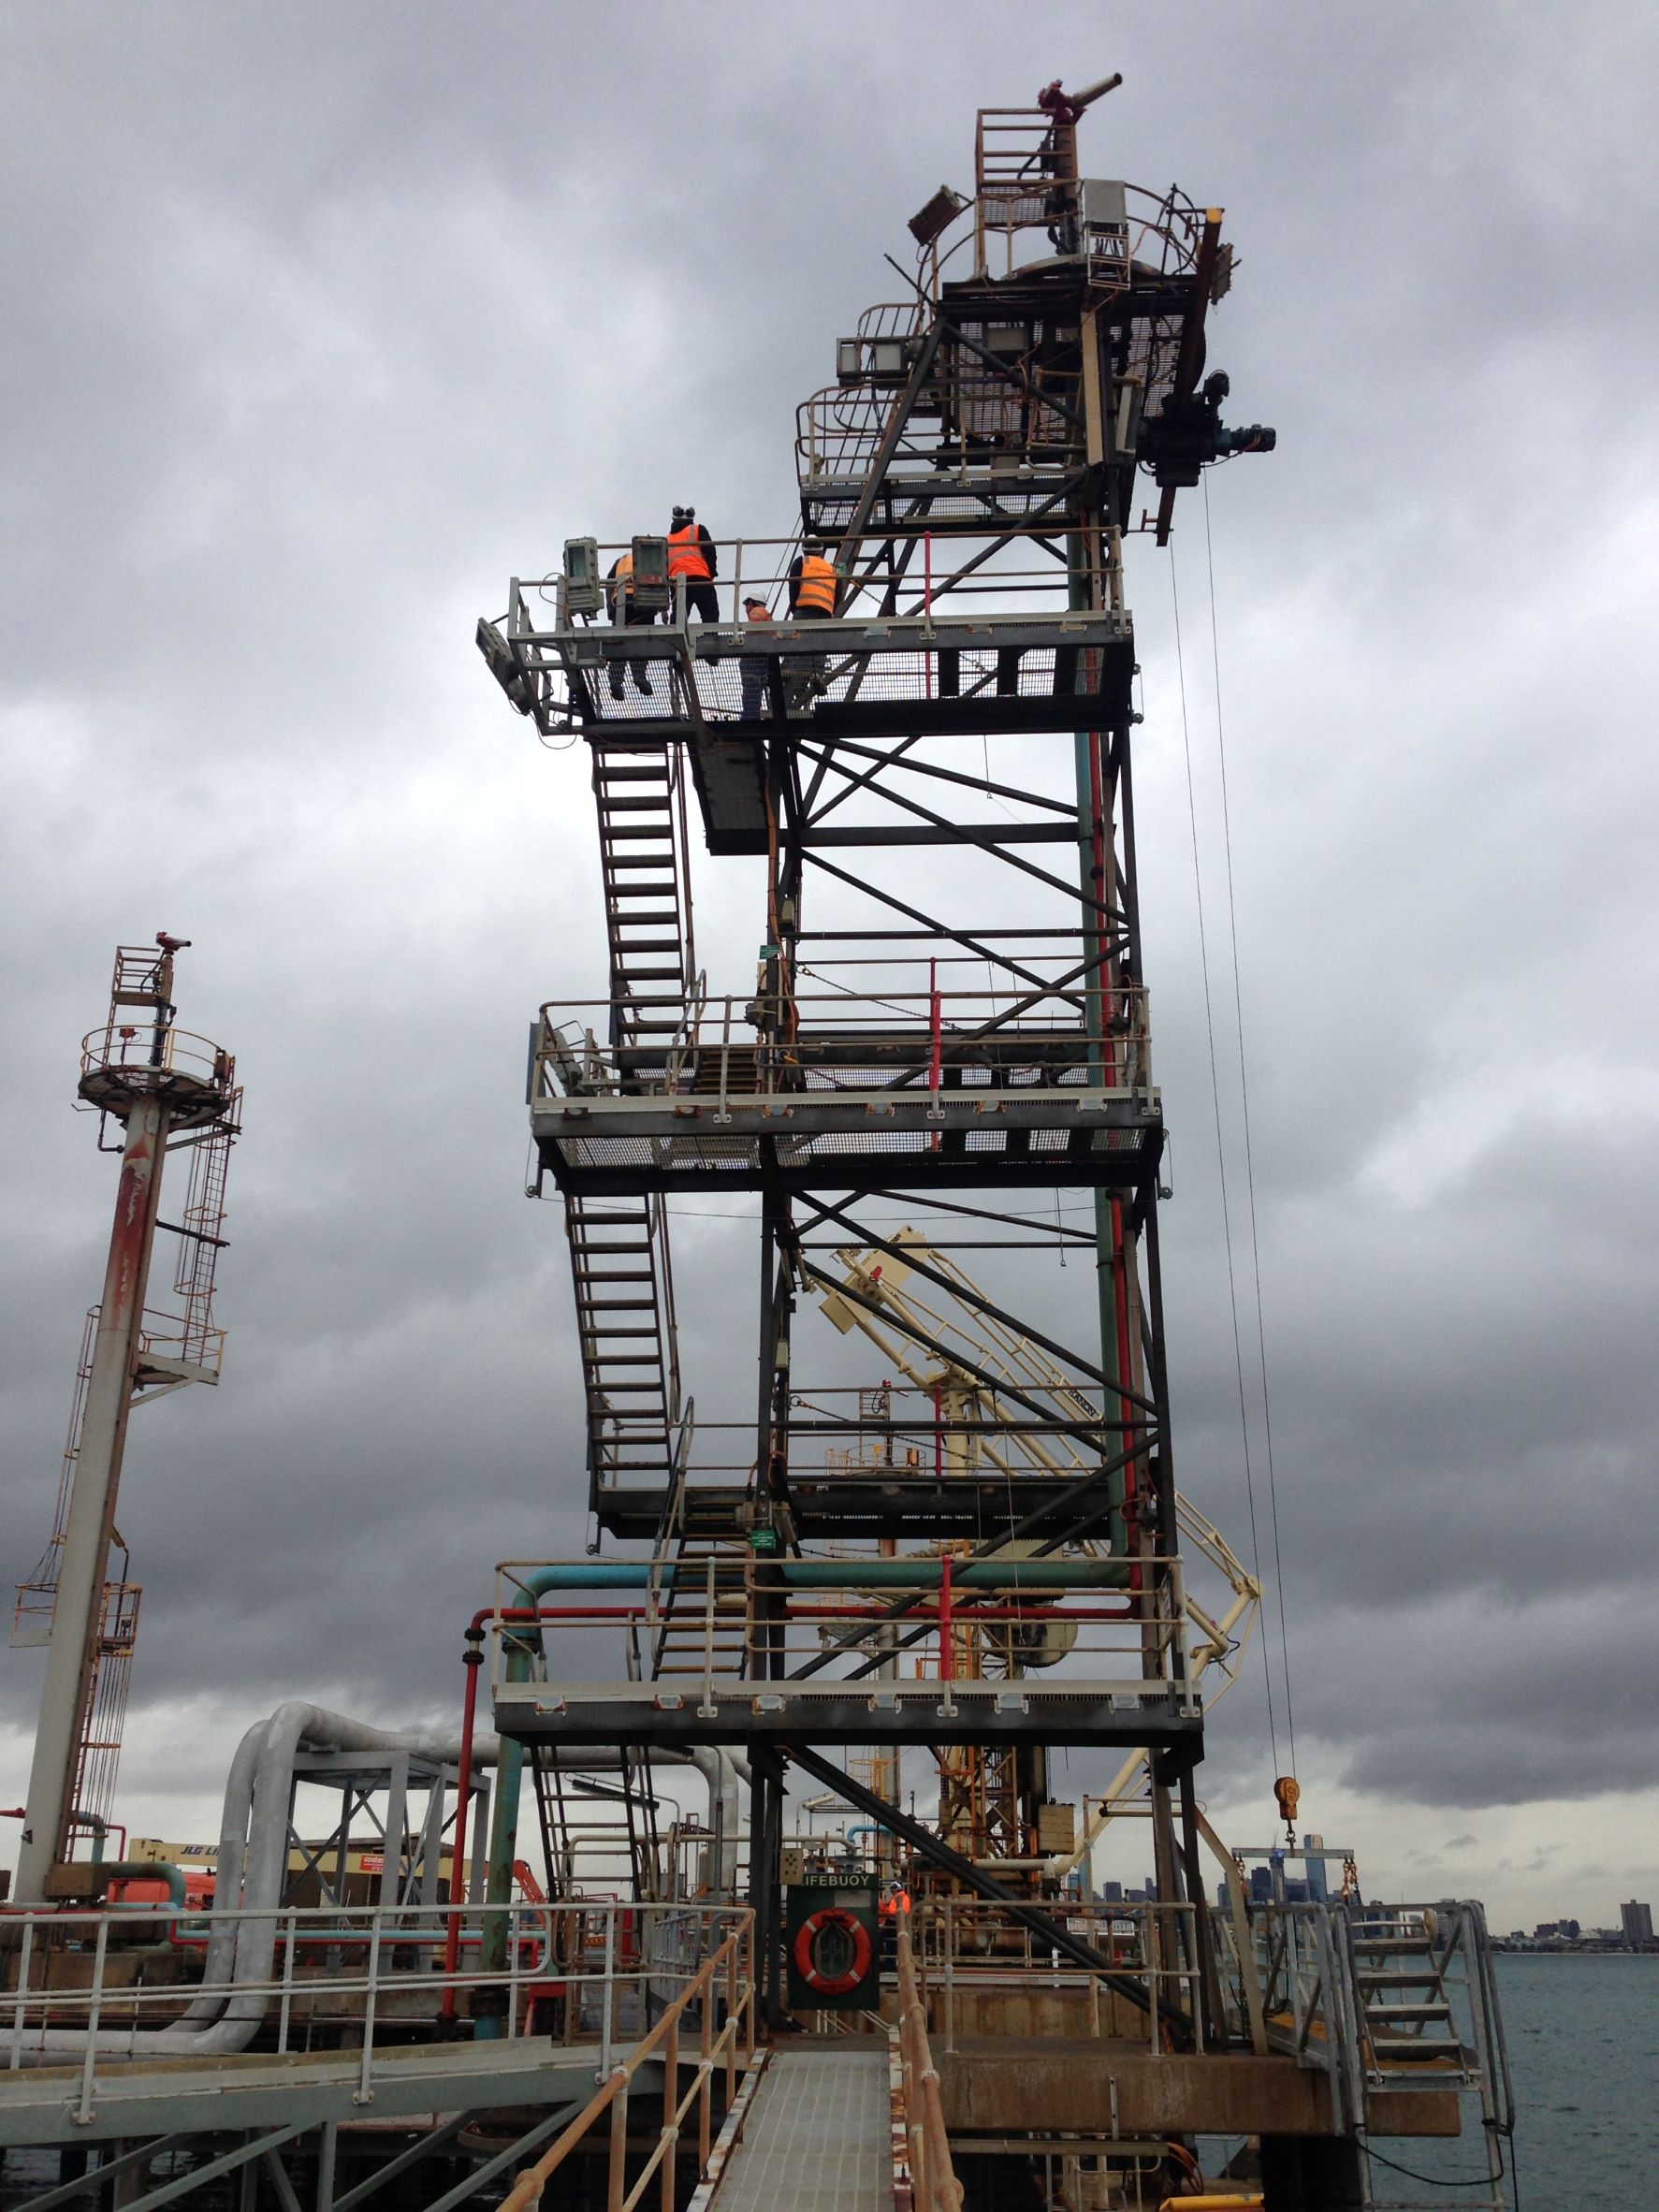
{"type": "Point", "coordinates": [1232, 1289]}
{"type": "Point", "coordinates": [1267, 1418]}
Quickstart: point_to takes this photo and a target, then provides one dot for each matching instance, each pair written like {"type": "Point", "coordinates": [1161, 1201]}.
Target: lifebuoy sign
{"type": "Point", "coordinates": [831, 1954]}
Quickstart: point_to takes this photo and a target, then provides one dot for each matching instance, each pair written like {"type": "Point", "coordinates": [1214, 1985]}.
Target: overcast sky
{"type": "Point", "coordinates": [321, 322]}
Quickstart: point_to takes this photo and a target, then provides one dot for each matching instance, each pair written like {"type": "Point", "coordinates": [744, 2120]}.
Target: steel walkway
{"type": "Point", "coordinates": [41, 2105]}
{"type": "Point", "coordinates": [819, 2138]}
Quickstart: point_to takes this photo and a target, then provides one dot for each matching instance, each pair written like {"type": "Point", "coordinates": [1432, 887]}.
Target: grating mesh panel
{"type": "Point", "coordinates": [819, 2138]}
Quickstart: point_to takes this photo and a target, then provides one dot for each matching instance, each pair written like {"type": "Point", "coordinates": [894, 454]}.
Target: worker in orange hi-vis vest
{"type": "Point", "coordinates": [814, 582]}
{"type": "Point", "coordinates": [814, 587]}
{"type": "Point", "coordinates": [753, 667]}
{"type": "Point", "coordinates": [895, 1899]}
{"type": "Point", "coordinates": [691, 556]}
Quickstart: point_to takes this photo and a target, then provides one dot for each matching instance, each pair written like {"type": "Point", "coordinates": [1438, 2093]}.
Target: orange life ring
{"type": "Point", "coordinates": [806, 1945]}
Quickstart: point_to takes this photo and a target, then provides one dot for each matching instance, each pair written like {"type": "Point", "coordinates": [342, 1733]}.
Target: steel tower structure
{"type": "Point", "coordinates": [948, 1017]}
{"type": "Point", "coordinates": [166, 1090]}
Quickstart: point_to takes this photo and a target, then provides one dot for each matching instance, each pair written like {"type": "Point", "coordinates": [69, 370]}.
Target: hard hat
{"type": "Point", "coordinates": [685, 513]}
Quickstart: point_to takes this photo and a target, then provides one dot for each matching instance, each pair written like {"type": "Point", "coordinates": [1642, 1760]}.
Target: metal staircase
{"type": "Point", "coordinates": [640, 795]}
{"type": "Point", "coordinates": [620, 1267]}
{"type": "Point", "coordinates": [1405, 2011]}
{"type": "Point", "coordinates": [704, 1624]}
{"type": "Point", "coordinates": [624, 1294]}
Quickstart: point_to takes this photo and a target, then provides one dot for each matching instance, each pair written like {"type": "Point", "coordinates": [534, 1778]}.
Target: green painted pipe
{"type": "Point", "coordinates": [489, 2005]}
{"type": "Point", "coordinates": [143, 1869]}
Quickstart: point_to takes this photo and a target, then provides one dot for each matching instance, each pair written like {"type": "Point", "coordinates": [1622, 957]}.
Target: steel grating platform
{"type": "Point", "coordinates": [867, 1503]}
{"type": "Point", "coordinates": [786, 1711]}
{"type": "Point", "coordinates": [902, 675]}
{"type": "Point", "coordinates": [296, 2089]}
{"type": "Point", "coordinates": [847, 1140]}
{"type": "Point", "coordinates": [819, 2138]}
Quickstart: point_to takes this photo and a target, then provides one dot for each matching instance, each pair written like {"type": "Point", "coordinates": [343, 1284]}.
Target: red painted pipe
{"type": "Point", "coordinates": [474, 1660]}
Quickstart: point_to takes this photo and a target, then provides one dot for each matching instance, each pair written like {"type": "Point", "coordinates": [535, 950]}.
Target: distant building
{"type": "Point", "coordinates": [1261, 1886]}
{"type": "Point", "coordinates": [1556, 1932]}
{"type": "Point", "coordinates": [1110, 1892]}
{"type": "Point", "coordinates": [1318, 1888]}
{"type": "Point", "coordinates": [1637, 1920]}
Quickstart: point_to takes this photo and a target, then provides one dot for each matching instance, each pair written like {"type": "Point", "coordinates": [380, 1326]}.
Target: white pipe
{"type": "Point", "coordinates": [252, 1864]}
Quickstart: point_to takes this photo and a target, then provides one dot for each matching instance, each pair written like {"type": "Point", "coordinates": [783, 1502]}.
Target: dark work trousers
{"type": "Point", "coordinates": [633, 619]}
{"type": "Point", "coordinates": [702, 598]}
{"type": "Point", "coordinates": [811, 670]}
{"type": "Point", "coordinates": [753, 668]}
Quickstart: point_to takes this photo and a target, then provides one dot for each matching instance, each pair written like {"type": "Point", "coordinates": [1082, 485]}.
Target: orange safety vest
{"type": "Point", "coordinates": [893, 1906]}
{"type": "Point", "coordinates": [621, 579]}
{"type": "Point", "coordinates": [686, 556]}
{"type": "Point", "coordinates": [815, 595]}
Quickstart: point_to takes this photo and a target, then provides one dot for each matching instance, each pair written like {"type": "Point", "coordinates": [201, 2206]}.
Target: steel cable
{"type": "Point", "coordinates": [1232, 1290]}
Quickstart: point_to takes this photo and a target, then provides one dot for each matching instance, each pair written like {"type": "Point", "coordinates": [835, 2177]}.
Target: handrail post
{"type": "Point", "coordinates": [705, 2068]}
{"type": "Point", "coordinates": [670, 2109]}
{"type": "Point", "coordinates": [84, 2111]}
{"type": "Point", "coordinates": [364, 2093]}
{"type": "Point", "coordinates": [734, 2024]}
{"type": "Point", "coordinates": [25, 1957]}
{"type": "Point", "coordinates": [949, 1974]}
{"type": "Point", "coordinates": [618, 2154]}
{"type": "Point", "coordinates": [284, 2008]}
{"type": "Point", "coordinates": [608, 1995]}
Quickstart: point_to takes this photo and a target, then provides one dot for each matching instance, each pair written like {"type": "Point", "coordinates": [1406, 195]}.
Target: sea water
{"type": "Point", "coordinates": [1582, 2029]}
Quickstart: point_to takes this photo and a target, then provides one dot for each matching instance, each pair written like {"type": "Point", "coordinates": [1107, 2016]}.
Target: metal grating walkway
{"type": "Point", "coordinates": [819, 2138]}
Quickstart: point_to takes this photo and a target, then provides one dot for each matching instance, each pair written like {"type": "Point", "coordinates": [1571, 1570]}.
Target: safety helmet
{"type": "Point", "coordinates": [685, 515]}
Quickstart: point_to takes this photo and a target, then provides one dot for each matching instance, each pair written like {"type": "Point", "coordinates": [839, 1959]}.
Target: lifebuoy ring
{"type": "Point", "coordinates": [806, 1951]}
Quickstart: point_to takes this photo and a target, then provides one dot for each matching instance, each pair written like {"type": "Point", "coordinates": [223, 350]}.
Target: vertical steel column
{"type": "Point", "coordinates": [92, 1502]}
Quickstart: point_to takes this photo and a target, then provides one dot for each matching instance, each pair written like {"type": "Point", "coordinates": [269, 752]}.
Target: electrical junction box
{"type": "Point", "coordinates": [652, 594]}
{"type": "Point", "coordinates": [584, 592]}
{"type": "Point", "coordinates": [875, 360]}
{"type": "Point", "coordinates": [832, 1947]}
{"type": "Point", "coordinates": [1105, 202]}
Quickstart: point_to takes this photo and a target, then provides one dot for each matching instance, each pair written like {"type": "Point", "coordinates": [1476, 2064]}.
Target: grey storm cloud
{"type": "Point", "coordinates": [324, 323]}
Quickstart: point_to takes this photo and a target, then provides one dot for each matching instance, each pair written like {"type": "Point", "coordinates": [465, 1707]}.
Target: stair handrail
{"type": "Point", "coordinates": [934, 2185]}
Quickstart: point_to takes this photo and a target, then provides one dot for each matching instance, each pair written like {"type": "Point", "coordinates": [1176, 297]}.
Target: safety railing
{"type": "Point", "coordinates": [90, 1988]}
{"type": "Point", "coordinates": [726, 1974]}
{"type": "Point", "coordinates": [187, 1338]}
{"type": "Point", "coordinates": [907, 1046]}
{"type": "Point", "coordinates": [1058, 1641]}
{"type": "Point", "coordinates": [964, 631]}
{"type": "Point", "coordinates": [128, 1058]}
{"type": "Point", "coordinates": [1024, 574]}
{"type": "Point", "coordinates": [934, 2185]}
{"type": "Point", "coordinates": [975, 1960]}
